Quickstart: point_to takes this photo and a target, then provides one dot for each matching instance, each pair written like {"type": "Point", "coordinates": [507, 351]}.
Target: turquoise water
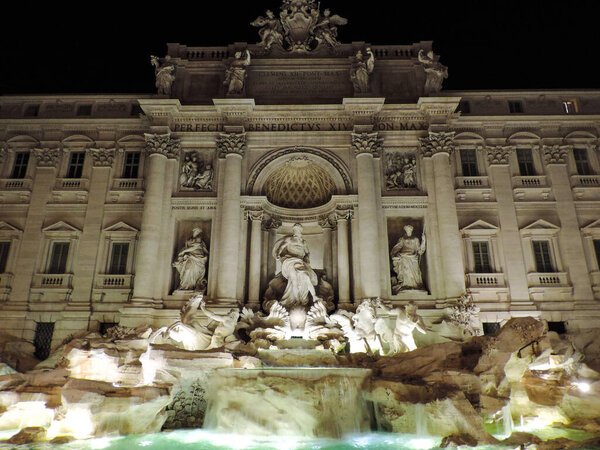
{"type": "Point", "coordinates": [206, 440]}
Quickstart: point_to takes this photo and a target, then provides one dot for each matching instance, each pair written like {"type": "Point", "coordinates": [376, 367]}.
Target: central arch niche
{"type": "Point", "coordinates": [299, 184]}
{"type": "Point", "coordinates": [299, 178]}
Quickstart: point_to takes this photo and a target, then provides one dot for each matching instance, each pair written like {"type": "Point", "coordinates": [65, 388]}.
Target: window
{"type": "Point", "coordinates": [131, 165]}
{"type": "Point", "coordinates": [570, 107]}
{"type": "Point", "coordinates": [582, 162]}
{"type": "Point", "coordinates": [43, 339]}
{"type": "Point", "coordinates": [75, 165]}
{"type": "Point", "coordinates": [468, 160]}
{"type": "Point", "coordinates": [58, 257]}
{"type": "Point", "coordinates": [464, 107]}
{"type": "Point", "coordinates": [32, 110]}
{"type": "Point", "coordinates": [597, 250]}
{"type": "Point", "coordinates": [20, 165]}
{"type": "Point", "coordinates": [542, 255]}
{"type": "Point", "coordinates": [525, 160]}
{"type": "Point", "coordinates": [481, 257]}
{"type": "Point", "coordinates": [84, 110]}
{"type": "Point", "coordinates": [515, 106]}
{"type": "Point", "coordinates": [4, 249]}
{"type": "Point", "coordinates": [118, 258]}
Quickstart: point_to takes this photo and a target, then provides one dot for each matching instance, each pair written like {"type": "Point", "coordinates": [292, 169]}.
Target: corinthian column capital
{"type": "Point", "coordinates": [47, 157]}
{"type": "Point", "coordinates": [437, 142]}
{"type": "Point", "coordinates": [367, 143]}
{"type": "Point", "coordinates": [162, 144]}
{"type": "Point", "coordinates": [499, 155]}
{"type": "Point", "coordinates": [231, 144]}
{"type": "Point", "coordinates": [556, 154]}
{"type": "Point", "coordinates": [102, 157]}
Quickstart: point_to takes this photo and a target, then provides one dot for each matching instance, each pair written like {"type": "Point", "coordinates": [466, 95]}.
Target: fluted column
{"type": "Point", "coordinates": [439, 145]}
{"type": "Point", "coordinates": [343, 260]}
{"type": "Point", "coordinates": [158, 149]}
{"type": "Point", "coordinates": [231, 148]}
{"type": "Point", "coordinates": [555, 158]}
{"type": "Point", "coordinates": [366, 146]}
{"type": "Point", "coordinates": [255, 218]}
{"type": "Point", "coordinates": [514, 264]}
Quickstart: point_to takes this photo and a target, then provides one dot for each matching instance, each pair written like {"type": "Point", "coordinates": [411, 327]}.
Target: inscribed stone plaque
{"type": "Point", "coordinates": [299, 83]}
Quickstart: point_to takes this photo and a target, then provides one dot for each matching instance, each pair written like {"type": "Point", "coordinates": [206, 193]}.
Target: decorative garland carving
{"type": "Point", "coordinates": [437, 142]}
{"type": "Point", "coordinates": [231, 144]}
{"type": "Point", "coordinates": [271, 222]}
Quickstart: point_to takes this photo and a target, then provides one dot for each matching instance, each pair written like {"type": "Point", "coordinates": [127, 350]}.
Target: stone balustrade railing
{"type": "Point", "coordinates": [533, 181]}
{"type": "Point", "coordinates": [585, 180]}
{"type": "Point", "coordinates": [550, 279]}
{"type": "Point", "coordinates": [71, 184]}
{"type": "Point", "coordinates": [16, 184]}
{"type": "Point", "coordinates": [108, 281]}
{"type": "Point", "coordinates": [128, 184]}
{"type": "Point", "coordinates": [472, 182]}
{"type": "Point", "coordinates": [483, 280]}
{"type": "Point", "coordinates": [61, 281]}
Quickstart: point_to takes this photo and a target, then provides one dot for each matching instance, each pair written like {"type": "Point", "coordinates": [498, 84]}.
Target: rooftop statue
{"type": "Point", "coordinates": [165, 74]}
{"type": "Point", "coordinates": [361, 69]}
{"type": "Point", "coordinates": [301, 27]}
{"type": "Point", "coordinates": [434, 70]}
{"type": "Point", "coordinates": [235, 76]}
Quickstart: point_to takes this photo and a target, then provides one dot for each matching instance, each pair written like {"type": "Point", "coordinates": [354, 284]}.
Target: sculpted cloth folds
{"type": "Point", "coordinates": [191, 262]}
{"type": "Point", "coordinates": [406, 258]}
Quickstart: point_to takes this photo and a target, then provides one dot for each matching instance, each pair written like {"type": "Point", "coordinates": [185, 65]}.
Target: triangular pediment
{"type": "Point", "coordinates": [480, 225]}
{"type": "Point", "coordinates": [61, 227]}
{"type": "Point", "coordinates": [594, 226]}
{"type": "Point", "coordinates": [121, 227]}
{"type": "Point", "coordinates": [7, 227]}
{"type": "Point", "coordinates": [541, 224]}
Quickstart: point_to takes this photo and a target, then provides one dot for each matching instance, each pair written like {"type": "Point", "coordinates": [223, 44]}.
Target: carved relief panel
{"type": "Point", "coordinates": [197, 172]}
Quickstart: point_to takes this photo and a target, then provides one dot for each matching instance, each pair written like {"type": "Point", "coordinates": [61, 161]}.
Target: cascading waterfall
{"type": "Point", "coordinates": [507, 421]}
{"type": "Point", "coordinates": [310, 402]}
{"type": "Point", "coordinates": [420, 420]}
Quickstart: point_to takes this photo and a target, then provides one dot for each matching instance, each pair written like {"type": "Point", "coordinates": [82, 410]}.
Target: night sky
{"type": "Point", "coordinates": [486, 44]}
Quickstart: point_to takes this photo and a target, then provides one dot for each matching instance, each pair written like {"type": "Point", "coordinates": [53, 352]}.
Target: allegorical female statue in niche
{"type": "Point", "coordinates": [191, 263]}
{"type": "Point", "coordinates": [406, 260]}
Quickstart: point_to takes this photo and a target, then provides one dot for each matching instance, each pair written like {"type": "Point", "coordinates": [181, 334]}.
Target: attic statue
{"type": "Point", "coordinates": [361, 69]}
{"type": "Point", "coordinates": [235, 76]}
{"type": "Point", "coordinates": [165, 74]}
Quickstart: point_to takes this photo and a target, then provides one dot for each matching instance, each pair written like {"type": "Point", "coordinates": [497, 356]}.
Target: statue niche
{"type": "Point", "coordinates": [407, 259]}
{"type": "Point", "coordinates": [190, 263]}
{"type": "Point", "coordinates": [298, 288]}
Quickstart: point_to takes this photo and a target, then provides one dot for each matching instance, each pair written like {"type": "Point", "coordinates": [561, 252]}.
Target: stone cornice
{"type": "Point", "coordinates": [162, 144]}
{"type": "Point", "coordinates": [231, 144]}
{"type": "Point", "coordinates": [102, 157]}
{"type": "Point", "coordinates": [47, 157]}
{"type": "Point", "coordinates": [367, 143]}
{"type": "Point", "coordinates": [437, 142]}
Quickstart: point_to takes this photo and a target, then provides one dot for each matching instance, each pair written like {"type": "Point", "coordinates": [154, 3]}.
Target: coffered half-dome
{"type": "Point", "coordinates": [299, 184]}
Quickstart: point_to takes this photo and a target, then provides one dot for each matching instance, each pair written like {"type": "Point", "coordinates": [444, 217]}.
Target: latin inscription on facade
{"type": "Point", "coordinates": [283, 83]}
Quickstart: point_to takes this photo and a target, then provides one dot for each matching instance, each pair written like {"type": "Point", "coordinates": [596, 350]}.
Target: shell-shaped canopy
{"type": "Point", "coordinates": [299, 184]}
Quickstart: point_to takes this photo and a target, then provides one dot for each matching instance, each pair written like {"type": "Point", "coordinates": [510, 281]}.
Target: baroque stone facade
{"type": "Point", "coordinates": [101, 219]}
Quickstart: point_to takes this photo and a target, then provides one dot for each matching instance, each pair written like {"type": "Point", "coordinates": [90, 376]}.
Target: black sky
{"type": "Point", "coordinates": [105, 48]}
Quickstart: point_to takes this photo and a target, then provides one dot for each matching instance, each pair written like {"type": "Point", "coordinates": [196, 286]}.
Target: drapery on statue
{"type": "Point", "coordinates": [406, 260]}
{"type": "Point", "coordinates": [165, 74]}
{"type": "Point", "coordinates": [294, 255]}
{"type": "Point", "coordinates": [435, 71]}
{"type": "Point", "coordinates": [271, 31]}
{"type": "Point", "coordinates": [195, 174]}
{"type": "Point", "coordinates": [191, 263]}
{"type": "Point", "coordinates": [361, 69]}
{"type": "Point", "coordinates": [235, 76]}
